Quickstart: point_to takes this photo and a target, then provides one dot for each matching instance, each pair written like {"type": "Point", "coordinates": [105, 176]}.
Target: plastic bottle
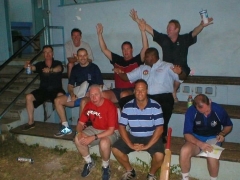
{"type": "Point", "coordinates": [28, 69]}
{"type": "Point", "coordinates": [22, 159]}
{"type": "Point", "coordinates": [189, 101]}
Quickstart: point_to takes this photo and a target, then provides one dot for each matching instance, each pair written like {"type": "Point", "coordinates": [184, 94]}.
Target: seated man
{"type": "Point", "coordinates": [50, 72]}
{"type": "Point", "coordinates": [103, 132]}
{"type": "Point", "coordinates": [204, 120]}
{"type": "Point", "coordinates": [145, 119]}
{"type": "Point", "coordinates": [72, 47]}
{"type": "Point", "coordinates": [160, 88]}
{"type": "Point", "coordinates": [83, 71]}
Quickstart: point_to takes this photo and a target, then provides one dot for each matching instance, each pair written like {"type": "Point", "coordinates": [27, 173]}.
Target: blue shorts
{"type": "Point", "coordinates": [205, 138]}
{"type": "Point", "coordinates": [77, 102]}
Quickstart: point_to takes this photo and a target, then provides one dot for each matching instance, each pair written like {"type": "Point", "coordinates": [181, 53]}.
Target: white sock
{"type": "Point", "coordinates": [185, 176]}
{"type": "Point", "coordinates": [88, 159]}
{"type": "Point", "coordinates": [65, 124]}
{"type": "Point", "coordinates": [213, 178]}
{"type": "Point", "coordinates": [105, 163]}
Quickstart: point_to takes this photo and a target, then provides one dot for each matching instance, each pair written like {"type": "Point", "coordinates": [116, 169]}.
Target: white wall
{"type": "Point", "coordinates": [216, 52]}
{"type": "Point", "coordinates": [3, 31]}
{"type": "Point", "coordinates": [20, 11]}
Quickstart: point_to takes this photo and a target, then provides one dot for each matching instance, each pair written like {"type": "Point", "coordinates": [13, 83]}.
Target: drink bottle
{"type": "Point", "coordinates": [28, 69]}
{"type": "Point", "coordinates": [22, 159]}
{"type": "Point", "coordinates": [189, 101]}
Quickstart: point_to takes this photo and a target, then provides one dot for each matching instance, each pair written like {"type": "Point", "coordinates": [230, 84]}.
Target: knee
{"type": "Point", "coordinates": [124, 94]}
{"type": "Point", "coordinates": [29, 97]}
{"type": "Point", "coordinates": [105, 143]}
{"type": "Point", "coordinates": [185, 152]}
{"type": "Point", "coordinates": [58, 101]}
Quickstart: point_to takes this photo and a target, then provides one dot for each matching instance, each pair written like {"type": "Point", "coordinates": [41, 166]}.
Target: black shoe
{"type": "Point", "coordinates": [87, 168]}
{"type": "Point", "coordinates": [27, 127]}
{"type": "Point", "coordinates": [105, 173]}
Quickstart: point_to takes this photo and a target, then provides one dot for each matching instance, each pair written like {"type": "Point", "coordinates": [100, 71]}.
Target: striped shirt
{"type": "Point", "coordinates": [142, 123]}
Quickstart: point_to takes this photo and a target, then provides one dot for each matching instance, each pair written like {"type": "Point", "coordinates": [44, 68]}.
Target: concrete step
{"type": "Point", "coordinates": [19, 86]}
{"type": "Point", "coordinates": [11, 69]}
{"type": "Point", "coordinates": [6, 124]}
{"type": "Point", "coordinates": [20, 61]}
{"type": "Point", "coordinates": [23, 78]}
{"type": "Point", "coordinates": [8, 97]}
{"type": "Point", "coordinates": [14, 112]}
{"type": "Point", "coordinates": [43, 134]}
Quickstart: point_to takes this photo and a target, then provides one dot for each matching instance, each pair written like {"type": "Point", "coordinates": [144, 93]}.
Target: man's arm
{"type": "Point", "coordinates": [134, 16]}
{"type": "Point", "coordinates": [155, 137]}
{"type": "Point", "coordinates": [200, 27]}
{"type": "Point", "coordinates": [102, 43]}
{"type": "Point", "coordinates": [142, 27]}
{"type": "Point", "coordinates": [121, 74]}
{"type": "Point", "coordinates": [124, 135]}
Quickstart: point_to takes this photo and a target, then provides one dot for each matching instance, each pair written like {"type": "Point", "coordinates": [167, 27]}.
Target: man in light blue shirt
{"type": "Point", "coordinates": [160, 76]}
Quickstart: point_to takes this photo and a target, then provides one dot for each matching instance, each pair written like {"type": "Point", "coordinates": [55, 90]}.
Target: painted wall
{"type": "Point", "coordinates": [20, 11]}
{"type": "Point", "coordinates": [3, 31]}
{"type": "Point", "coordinates": [216, 52]}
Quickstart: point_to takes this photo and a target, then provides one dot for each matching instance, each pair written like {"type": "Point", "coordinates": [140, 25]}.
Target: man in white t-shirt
{"type": "Point", "coordinates": [72, 47]}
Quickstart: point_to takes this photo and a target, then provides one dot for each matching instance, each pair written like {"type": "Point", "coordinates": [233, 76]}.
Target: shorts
{"type": "Point", "coordinates": [124, 148]}
{"type": "Point", "coordinates": [77, 102]}
{"type": "Point", "coordinates": [90, 131]}
{"type": "Point", "coordinates": [205, 138]}
{"type": "Point", "coordinates": [117, 91]}
{"type": "Point", "coordinates": [42, 95]}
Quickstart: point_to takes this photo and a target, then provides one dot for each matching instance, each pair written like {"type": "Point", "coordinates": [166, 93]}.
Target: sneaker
{"type": "Point", "coordinates": [105, 173]}
{"type": "Point", "coordinates": [63, 131]}
{"type": "Point", "coordinates": [27, 127]}
{"type": "Point", "coordinates": [87, 168]}
{"type": "Point", "coordinates": [151, 177]}
{"type": "Point", "coordinates": [129, 175]}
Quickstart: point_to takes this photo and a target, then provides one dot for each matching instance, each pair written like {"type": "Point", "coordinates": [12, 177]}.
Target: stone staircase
{"type": "Point", "coordinates": [12, 117]}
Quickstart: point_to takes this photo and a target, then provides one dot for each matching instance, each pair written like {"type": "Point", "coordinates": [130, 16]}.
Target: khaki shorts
{"type": "Point", "coordinates": [90, 131]}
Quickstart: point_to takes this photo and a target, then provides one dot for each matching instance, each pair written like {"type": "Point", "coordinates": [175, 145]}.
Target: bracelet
{"type": "Point", "coordinates": [96, 137]}
{"type": "Point", "coordinates": [222, 133]}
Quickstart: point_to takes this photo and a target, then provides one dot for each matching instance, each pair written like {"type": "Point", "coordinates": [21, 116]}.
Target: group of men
{"type": "Point", "coordinates": [145, 88]}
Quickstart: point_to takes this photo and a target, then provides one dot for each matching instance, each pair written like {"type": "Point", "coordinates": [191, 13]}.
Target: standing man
{"type": "Point", "coordinates": [50, 72]}
{"type": "Point", "coordinates": [160, 88]}
{"type": "Point", "coordinates": [72, 47]}
{"type": "Point", "coordinates": [145, 119]}
{"type": "Point", "coordinates": [174, 46]}
{"type": "Point", "coordinates": [204, 120]}
{"type": "Point", "coordinates": [103, 132]}
{"type": "Point", "coordinates": [83, 71]}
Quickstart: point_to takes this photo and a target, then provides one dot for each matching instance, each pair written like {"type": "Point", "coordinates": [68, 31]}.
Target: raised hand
{"type": "Point", "coordinates": [210, 21]}
{"type": "Point", "coordinates": [133, 15]}
{"type": "Point", "coordinates": [99, 28]}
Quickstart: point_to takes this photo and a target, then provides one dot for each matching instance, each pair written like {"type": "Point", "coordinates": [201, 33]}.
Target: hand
{"type": "Point", "coordinates": [206, 147]}
{"type": "Point", "coordinates": [118, 71]}
{"type": "Point", "coordinates": [133, 15]}
{"type": "Point", "coordinates": [210, 21]}
{"type": "Point", "coordinates": [99, 28]}
{"type": "Point", "coordinates": [177, 69]}
{"type": "Point", "coordinates": [142, 25]}
{"type": "Point", "coordinates": [220, 138]}
{"type": "Point", "coordinates": [26, 64]}
{"type": "Point", "coordinates": [86, 140]}
{"type": "Point", "coordinates": [46, 70]}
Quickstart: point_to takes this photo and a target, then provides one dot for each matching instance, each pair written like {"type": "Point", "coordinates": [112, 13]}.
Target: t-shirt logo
{"type": "Point", "coordinates": [95, 113]}
{"type": "Point", "coordinates": [145, 72]}
{"type": "Point", "coordinates": [213, 123]}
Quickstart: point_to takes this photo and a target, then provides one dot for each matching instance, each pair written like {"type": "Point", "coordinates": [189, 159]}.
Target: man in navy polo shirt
{"type": "Point", "coordinates": [203, 121]}
{"type": "Point", "coordinates": [83, 71]}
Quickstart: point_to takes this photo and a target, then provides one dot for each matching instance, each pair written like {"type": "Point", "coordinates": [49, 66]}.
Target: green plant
{"type": "Point", "coordinates": [175, 169]}
{"type": "Point", "coordinates": [59, 149]}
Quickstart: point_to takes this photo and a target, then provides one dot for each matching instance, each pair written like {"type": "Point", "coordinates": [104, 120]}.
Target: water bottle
{"type": "Point", "coordinates": [28, 69]}
{"type": "Point", "coordinates": [189, 101]}
{"type": "Point", "coordinates": [22, 159]}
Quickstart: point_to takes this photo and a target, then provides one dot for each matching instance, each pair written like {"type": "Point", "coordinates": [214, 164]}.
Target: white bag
{"type": "Point", "coordinates": [81, 90]}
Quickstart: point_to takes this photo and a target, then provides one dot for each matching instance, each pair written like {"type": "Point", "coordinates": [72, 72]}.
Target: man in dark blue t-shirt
{"type": "Point", "coordinates": [204, 121]}
{"type": "Point", "coordinates": [83, 71]}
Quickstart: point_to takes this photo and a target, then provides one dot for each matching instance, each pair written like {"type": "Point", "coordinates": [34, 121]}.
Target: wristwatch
{"type": "Point", "coordinates": [96, 137]}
